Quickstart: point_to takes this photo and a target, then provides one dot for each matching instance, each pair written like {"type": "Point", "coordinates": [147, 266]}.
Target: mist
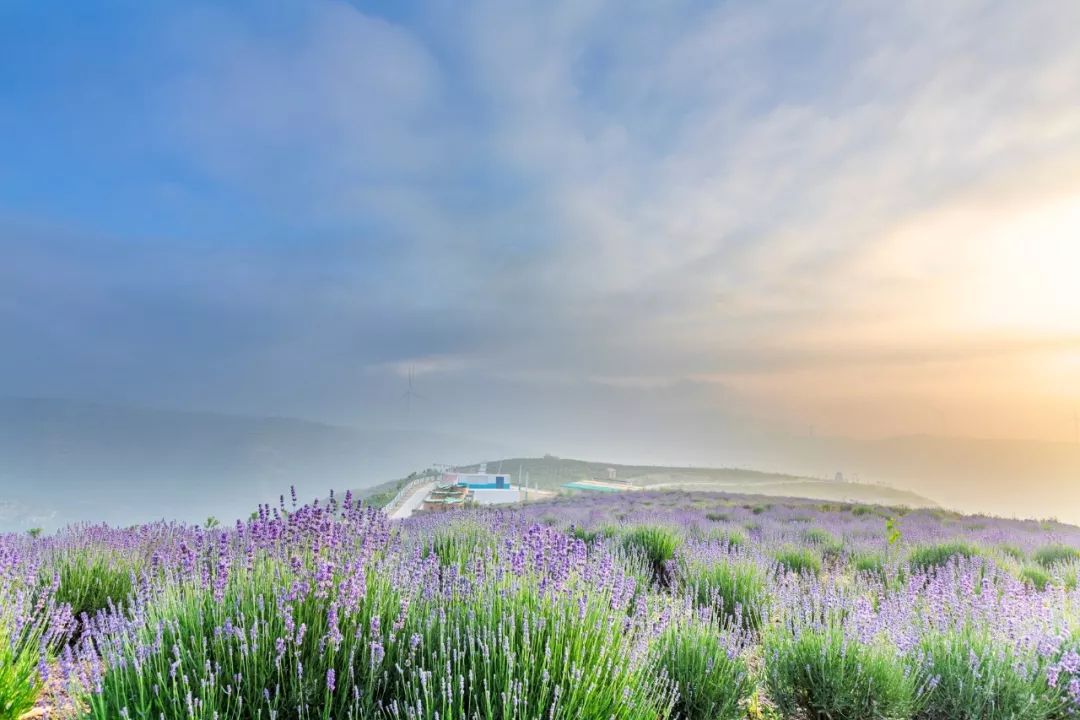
{"type": "Point", "coordinates": [688, 235]}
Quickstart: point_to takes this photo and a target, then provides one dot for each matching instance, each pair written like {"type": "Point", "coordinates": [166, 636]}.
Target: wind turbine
{"type": "Point", "coordinates": [409, 394]}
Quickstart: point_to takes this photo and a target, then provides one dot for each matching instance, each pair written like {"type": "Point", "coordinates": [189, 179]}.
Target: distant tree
{"type": "Point", "coordinates": [212, 522]}
{"type": "Point", "coordinates": [34, 532]}
{"type": "Point", "coordinates": [254, 515]}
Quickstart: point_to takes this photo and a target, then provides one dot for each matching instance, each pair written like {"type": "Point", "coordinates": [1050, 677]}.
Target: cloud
{"type": "Point", "coordinates": [626, 197]}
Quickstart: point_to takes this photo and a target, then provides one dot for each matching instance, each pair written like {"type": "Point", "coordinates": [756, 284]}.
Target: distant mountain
{"type": "Point", "coordinates": [63, 461]}
{"type": "Point", "coordinates": [1021, 478]}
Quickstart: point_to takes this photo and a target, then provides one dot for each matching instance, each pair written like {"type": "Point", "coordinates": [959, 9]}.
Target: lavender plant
{"type": "Point", "coordinates": [631, 606]}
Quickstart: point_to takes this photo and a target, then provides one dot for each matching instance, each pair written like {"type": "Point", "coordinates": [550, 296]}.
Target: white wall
{"type": "Point", "coordinates": [495, 497]}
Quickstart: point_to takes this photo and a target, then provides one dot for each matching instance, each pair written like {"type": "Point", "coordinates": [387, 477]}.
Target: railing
{"type": "Point", "coordinates": [405, 491]}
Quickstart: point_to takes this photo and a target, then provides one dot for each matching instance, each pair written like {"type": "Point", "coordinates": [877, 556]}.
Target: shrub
{"type": "Point", "coordinates": [657, 544]}
{"type": "Point", "coordinates": [871, 563]}
{"type": "Point", "coordinates": [928, 557]}
{"type": "Point", "coordinates": [1035, 576]}
{"type": "Point", "coordinates": [458, 543]}
{"type": "Point", "coordinates": [731, 538]}
{"type": "Point", "coordinates": [860, 510]}
{"type": "Point", "coordinates": [967, 676]}
{"type": "Point", "coordinates": [819, 675]}
{"type": "Point", "coordinates": [1012, 551]}
{"type": "Point", "coordinates": [711, 677]}
{"type": "Point", "coordinates": [798, 560]}
{"type": "Point", "coordinates": [736, 591]}
{"type": "Point", "coordinates": [1067, 574]}
{"type": "Point", "coordinates": [827, 543]}
{"type": "Point", "coordinates": [91, 580]}
{"type": "Point", "coordinates": [717, 516]}
{"type": "Point", "coordinates": [456, 656]}
{"type": "Point", "coordinates": [19, 655]}
{"type": "Point", "coordinates": [1049, 555]}
{"type": "Point", "coordinates": [589, 537]}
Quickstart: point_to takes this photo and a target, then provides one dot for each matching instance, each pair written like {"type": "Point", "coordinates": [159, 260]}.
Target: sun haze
{"type": "Point", "coordinates": [827, 238]}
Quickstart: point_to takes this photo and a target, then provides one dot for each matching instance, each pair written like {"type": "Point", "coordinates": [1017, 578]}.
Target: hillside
{"type": "Point", "coordinates": [63, 461]}
{"type": "Point", "coordinates": [550, 473]}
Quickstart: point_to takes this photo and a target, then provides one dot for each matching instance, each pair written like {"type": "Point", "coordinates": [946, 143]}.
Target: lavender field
{"type": "Point", "coordinates": [651, 605]}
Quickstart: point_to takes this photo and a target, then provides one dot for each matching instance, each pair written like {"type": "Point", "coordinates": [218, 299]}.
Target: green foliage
{"type": "Point", "coordinates": [19, 654]}
{"type": "Point", "coordinates": [458, 543]}
{"type": "Point", "coordinates": [380, 499]}
{"type": "Point", "coordinates": [1036, 576]}
{"type": "Point", "coordinates": [717, 516]}
{"type": "Point", "coordinates": [816, 674]}
{"type": "Point", "coordinates": [34, 532]}
{"type": "Point", "coordinates": [892, 531]}
{"type": "Point", "coordinates": [1050, 555]}
{"type": "Point", "coordinates": [928, 557]}
{"type": "Point", "coordinates": [860, 510]}
{"type": "Point", "coordinates": [713, 684]}
{"type": "Point", "coordinates": [656, 543]}
{"type": "Point", "coordinates": [737, 591]}
{"type": "Point", "coordinates": [732, 538]}
{"type": "Point", "coordinates": [872, 563]}
{"type": "Point", "coordinates": [212, 522]}
{"type": "Point", "coordinates": [798, 560]}
{"type": "Point", "coordinates": [966, 676]}
{"type": "Point", "coordinates": [1067, 574]}
{"type": "Point", "coordinates": [441, 657]}
{"type": "Point", "coordinates": [91, 580]}
{"type": "Point", "coordinates": [1012, 551]}
{"type": "Point", "coordinates": [828, 544]}
{"type": "Point", "coordinates": [589, 537]}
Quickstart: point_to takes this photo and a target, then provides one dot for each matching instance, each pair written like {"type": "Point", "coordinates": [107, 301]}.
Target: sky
{"type": "Point", "coordinates": [821, 218]}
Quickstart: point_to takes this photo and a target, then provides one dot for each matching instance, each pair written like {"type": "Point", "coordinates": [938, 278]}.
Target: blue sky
{"type": "Point", "coordinates": [785, 212]}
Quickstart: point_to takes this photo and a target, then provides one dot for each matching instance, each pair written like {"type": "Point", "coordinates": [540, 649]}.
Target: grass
{"type": "Point", "coordinates": [1050, 555]}
{"type": "Point", "coordinates": [733, 539]}
{"type": "Point", "coordinates": [967, 676]}
{"type": "Point", "coordinates": [798, 560]}
{"type": "Point", "coordinates": [19, 655]}
{"type": "Point", "coordinates": [818, 675]}
{"type": "Point", "coordinates": [1036, 576]}
{"type": "Point", "coordinates": [380, 654]}
{"type": "Point", "coordinates": [736, 591]}
{"type": "Point", "coordinates": [496, 614]}
{"type": "Point", "coordinates": [929, 557]}
{"type": "Point", "coordinates": [828, 544]}
{"type": "Point", "coordinates": [657, 544]}
{"type": "Point", "coordinates": [457, 545]}
{"type": "Point", "coordinates": [712, 678]}
{"type": "Point", "coordinates": [92, 580]}
{"type": "Point", "coordinates": [870, 563]}
{"type": "Point", "coordinates": [1011, 551]}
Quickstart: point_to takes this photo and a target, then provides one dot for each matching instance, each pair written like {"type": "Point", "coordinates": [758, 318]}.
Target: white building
{"type": "Point", "coordinates": [485, 488]}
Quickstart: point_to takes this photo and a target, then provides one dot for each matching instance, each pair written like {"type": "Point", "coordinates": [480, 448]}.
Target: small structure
{"type": "Point", "coordinates": [446, 497]}
{"type": "Point", "coordinates": [612, 474]}
{"type": "Point", "coordinates": [485, 488]}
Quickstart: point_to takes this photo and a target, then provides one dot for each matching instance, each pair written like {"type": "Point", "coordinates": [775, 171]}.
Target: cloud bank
{"type": "Point", "coordinates": [566, 216]}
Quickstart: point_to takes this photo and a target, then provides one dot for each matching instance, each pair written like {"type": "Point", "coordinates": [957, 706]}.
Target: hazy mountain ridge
{"type": "Point", "coordinates": [64, 461]}
{"type": "Point", "coordinates": [140, 464]}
